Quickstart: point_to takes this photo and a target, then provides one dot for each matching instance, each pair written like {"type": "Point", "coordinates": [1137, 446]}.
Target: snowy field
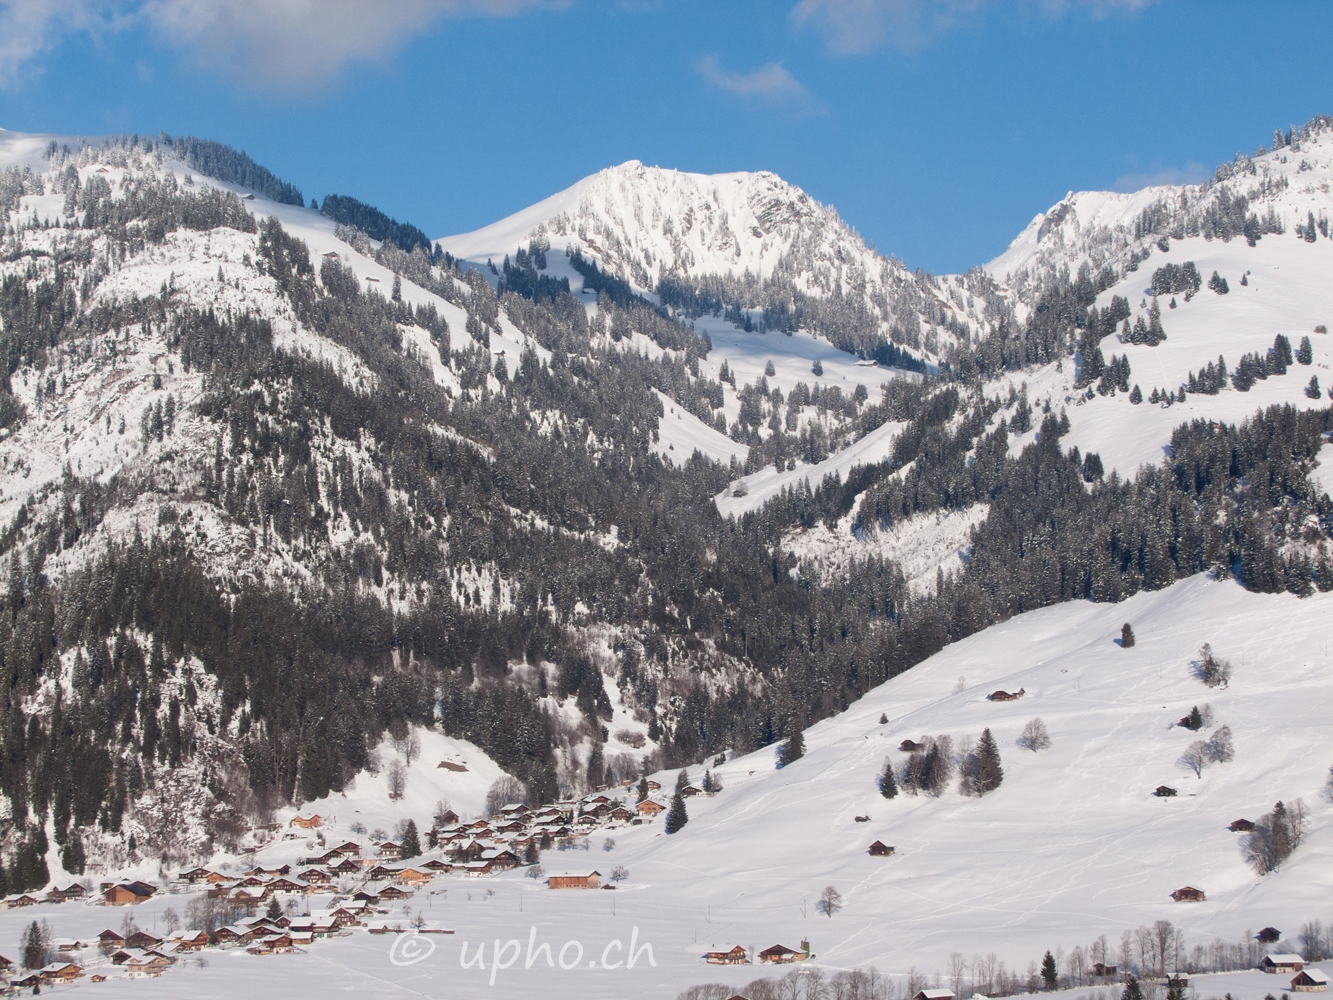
{"type": "Point", "coordinates": [1071, 846]}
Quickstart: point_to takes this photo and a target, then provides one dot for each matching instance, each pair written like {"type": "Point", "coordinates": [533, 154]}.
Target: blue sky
{"type": "Point", "coordinates": [938, 128]}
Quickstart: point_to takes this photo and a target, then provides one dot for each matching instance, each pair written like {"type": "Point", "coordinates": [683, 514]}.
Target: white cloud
{"type": "Point", "coordinates": [770, 84]}
{"type": "Point", "coordinates": [854, 27]}
{"type": "Point", "coordinates": [289, 43]}
{"type": "Point", "coordinates": [1190, 173]}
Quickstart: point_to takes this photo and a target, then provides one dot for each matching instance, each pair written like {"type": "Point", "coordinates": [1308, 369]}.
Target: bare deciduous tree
{"type": "Point", "coordinates": [397, 777]}
{"type": "Point", "coordinates": [1194, 757]}
{"type": "Point", "coordinates": [504, 790]}
{"type": "Point", "coordinates": [830, 901]}
{"type": "Point", "coordinates": [1220, 748]}
{"type": "Point", "coordinates": [1034, 736]}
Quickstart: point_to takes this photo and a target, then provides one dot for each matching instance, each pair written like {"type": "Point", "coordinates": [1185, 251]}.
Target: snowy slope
{"type": "Point", "coordinates": [1072, 845]}
{"type": "Point", "coordinates": [1287, 292]}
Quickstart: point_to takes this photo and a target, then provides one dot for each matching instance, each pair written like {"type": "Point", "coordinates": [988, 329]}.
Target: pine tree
{"type": "Point", "coordinates": [1312, 390]}
{"type": "Point", "coordinates": [274, 910]}
{"type": "Point", "coordinates": [1132, 990]}
{"type": "Point", "coordinates": [1175, 988]}
{"type": "Point", "coordinates": [1305, 353]}
{"type": "Point", "coordinates": [677, 817]}
{"type": "Point", "coordinates": [1195, 719]}
{"type": "Point", "coordinates": [1136, 395]}
{"type": "Point", "coordinates": [818, 367]}
{"type": "Point", "coordinates": [989, 772]}
{"type": "Point", "coordinates": [1126, 636]}
{"type": "Point", "coordinates": [883, 718]}
{"type": "Point", "coordinates": [794, 748]}
{"type": "Point", "coordinates": [411, 841]}
{"type": "Point", "coordinates": [888, 787]}
{"type": "Point", "coordinates": [1050, 975]}
{"type": "Point", "coordinates": [643, 788]}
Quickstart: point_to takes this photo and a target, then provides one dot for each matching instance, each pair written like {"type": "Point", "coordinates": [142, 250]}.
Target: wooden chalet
{"type": "Point", "coordinates": [654, 786]}
{"type": "Point", "coordinates": [128, 894]}
{"type": "Point", "coordinates": [142, 940]}
{"type": "Point", "coordinates": [911, 746]}
{"type": "Point", "coordinates": [286, 885]}
{"type": "Point", "coordinates": [501, 859]}
{"type": "Point", "coordinates": [187, 941]}
{"type": "Point", "coordinates": [880, 849]}
{"type": "Point", "coordinates": [621, 815]}
{"type": "Point", "coordinates": [1269, 935]}
{"type": "Point", "coordinates": [146, 964]}
{"type": "Point", "coordinates": [393, 892]}
{"type": "Point", "coordinates": [689, 791]}
{"type": "Point", "coordinates": [1310, 981]}
{"type": "Point", "coordinates": [416, 876]}
{"type": "Point", "coordinates": [303, 823]}
{"type": "Point", "coordinates": [780, 954]}
{"type": "Point", "coordinates": [934, 995]}
{"type": "Point", "coordinates": [1279, 962]}
{"type": "Point", "coordinates": [1103, 971]}
{"type": "Point", "coordinates": [572, 880]}
{"type": "Point", "coordinates": [999, 696]}
{"type": "Point", "coordinates": [234, 934]}
{"type": "Point", "coordinates": [437, 865]}
{"type": "Point", "coordinates": [1164, 792]}
{"type": "Point", "coordinates": [1241, 826]}
{"type": "Point", "coordinates": [60, 972]}
{"type": "Point", "coordinates": [311, 875]}
{"type": "Point", "coordinates": [382, 872]}
{"type": "Point", "coordinates": [389, 850]}
{"type": "Point", "coordinates": [345, 867]}
{"type": "Point", "coordinates": [194, 876]}
{"type": "Point", "coordinates": [61, 893]}
{"type": "Point", "coordinates": [109, 939]}
{"type": "Point", "coordinates": [349, 849]}
{"type": "Point", "coordinates": [737, 956]}
{"type": "Point", "coordinates": [449, 816]}
{"type": "Point", "coordinates": [20, 899]}
{"type": "Point", "coordinates": [274, 945]}
{"type": "Point", "coordinates": [1188, 894]}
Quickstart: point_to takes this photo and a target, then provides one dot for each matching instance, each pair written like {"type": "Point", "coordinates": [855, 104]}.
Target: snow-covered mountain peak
{"type": "Point", "coordinates": [1272, 191]}
{"type": "Point", "coordinates": [646, 223]}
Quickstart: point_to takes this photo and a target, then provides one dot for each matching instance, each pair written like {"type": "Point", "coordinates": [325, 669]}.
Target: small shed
{"type": "Point", "coordinates": [1310, 981]}
{"type": "Point", "coordinates": [934, 995]}
{"type": "Point", "coordinates": [1164, 791]}
{"type": "Point", "coordinates": [1000, 695]}
{"type": "Point", "coordinates": [574, 880]}
{"type": "Point", "coordinates": [1241, 826]}
{"type": "Point", "coordinates": [1104, 971]}
{"type": "Point", "coordinates": [911, 746]}
{"type": "Point", "coordinates": [1269, 935]}
{"type": "Point", "coordinates": [880, 849]}
{"type": "Point", "coordinates": [1188, 894]}
{"type": "Point", "coordinates": [1282, 962]}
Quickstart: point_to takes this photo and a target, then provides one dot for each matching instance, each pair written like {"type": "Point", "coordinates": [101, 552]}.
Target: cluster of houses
{"type": "Point", "coordinates": [1306, 980]}
{"type": "Point", "coordinates": [778, 954]}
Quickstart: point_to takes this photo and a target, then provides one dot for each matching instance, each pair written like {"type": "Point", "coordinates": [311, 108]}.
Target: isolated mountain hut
{"type": "Point", "coordinates": [1188, 894]}
{"type": "Point", "coordinates": [1286, 962]}
{"type": "Point", "coordinates": [911, 746]}
{"type": "Point", "coordinates": [1003, 696]}
{"type": "Point", "coordinates": [880, 850]}
{"type": "Point", "coordinates": [1310, 981]}
{"type": "Point", "coordinates": [1241, 826]}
